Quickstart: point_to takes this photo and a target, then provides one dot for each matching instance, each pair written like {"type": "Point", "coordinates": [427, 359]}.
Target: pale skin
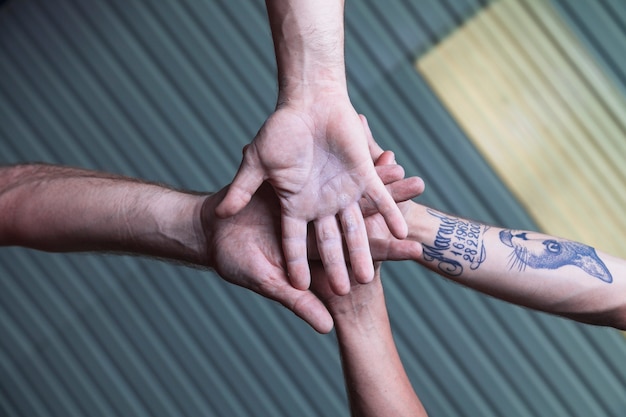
{"type": "Point", "coordinates": [483, 258]}
{"type": "Point", "coordinates": [376, 382]}
{"type": "Point", "coordinates": [568, 291]}
{"type": "Point", "coordinates": [63, 209]}
{"type": "Point", "coordinates": [313, 150]}
{"type": "Point", "coordinates": [67, 209]}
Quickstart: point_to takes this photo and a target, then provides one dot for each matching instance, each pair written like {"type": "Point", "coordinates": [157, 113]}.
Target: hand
{"type": "Point", "coordinates": [383, 245]}
{"type": "Point", "coordinates": [340, 306]}
{"type": "Point", "coordinates": [317, 159]}
{"type": "Point", "coordinates": [245, 250]}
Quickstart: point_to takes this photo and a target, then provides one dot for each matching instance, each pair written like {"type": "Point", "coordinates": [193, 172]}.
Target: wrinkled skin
{"type": "Point", "coordinates": [245, 249]}
{"type": "Point", "coordinates": [317, 159]}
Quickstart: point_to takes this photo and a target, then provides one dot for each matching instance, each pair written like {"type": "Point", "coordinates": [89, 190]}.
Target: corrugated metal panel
{"type": "Point", "coordinates": [171, 92]}
{"type": "Point", "coordinates": [601, 27]}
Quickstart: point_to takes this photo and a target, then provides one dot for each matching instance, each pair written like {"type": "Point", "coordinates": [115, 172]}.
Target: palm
{"type": "Point", "coordinates": [245, 250]}
{"type": "Point", "coordinates": [319, 164]}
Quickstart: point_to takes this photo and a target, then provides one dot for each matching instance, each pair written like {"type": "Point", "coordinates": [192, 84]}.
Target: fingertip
{"type": "Point", "coordinates": [324, 323]}
{"type": "Point", "coordinates": [406, 250]}
{"type": "Point", "coordinates": [299, 275]}
{"type": "Point", "coordinates": [338, 278]}
{"type": "Point", "coordinates": [417, 251]}
{"type": "Point", "coordinates": [400, 229]}
{"type": "Point", "coordinates": [362, 266]}
{"type": "Point", "coordinates": [232, 204]}
{"type": "Point", "coordinates": [419, 184]}
{"type": "Point", "coordinates": [223, 210]}
{"type": "Point", "coordinates": [365, 276]}
{"type": "Point", "coordinates": [389, 173]}
{"type": "Point", "coordinates": [340, 287]}
{"type": "Point", "coordinates": [394, 219]}
{"type": "Point", "coordinates": [245, 184]}
{"type": "Point", "coordinates": [310, 309]}
{"type": "Point", "coordinates": [386, 158]}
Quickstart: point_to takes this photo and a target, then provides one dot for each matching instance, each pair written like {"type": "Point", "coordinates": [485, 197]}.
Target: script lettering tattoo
{"type": "Point", "coordinates": [539, 251]}
{"type": "Point", "coordinates": [458, 244]}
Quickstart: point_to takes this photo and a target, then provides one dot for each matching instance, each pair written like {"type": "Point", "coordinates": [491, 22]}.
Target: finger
{"type": "Point", "coordinates": [386, 158]}
{"type": "Point", "coordinates": [309, 308]}
{"type": "Point", "coordinates": [406, 189]}
{"type": "Point", "coordinates": [303, 303]}
{"type": "Point", "coordinates": [402, 190]}
{"type": "Point", "coordinates": [395, 250]}
{"type": "Point", "coordinates": [378, 195]}
{"type": "Point", "coordinates": [389, 173]}
{"type": "Point", "coordinates": [294, 248]}
{"type": "Point", "coordinates": [374, 148]}
{"type": "Point", "coordinates": [248, 179]}
{"type": "Point", "coordinates": [355, 235]}
{"type": "Point", "coordinates": [330, 247]}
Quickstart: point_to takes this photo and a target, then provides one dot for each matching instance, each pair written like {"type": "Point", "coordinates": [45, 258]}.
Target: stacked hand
{"type": "Point", "coordinates": [316, 157]}
{"type": "Point", "coordinates": [255, 232]}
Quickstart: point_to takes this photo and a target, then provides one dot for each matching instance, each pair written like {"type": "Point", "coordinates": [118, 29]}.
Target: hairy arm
{"type": "Point", "coordinates": [535, 270]}
{"type": "Point", "coordinates": [375, 379]}
{"type": "Point", "coordinates": [62, 209]}
{"type": "Point", "coordinates": [308, 40]}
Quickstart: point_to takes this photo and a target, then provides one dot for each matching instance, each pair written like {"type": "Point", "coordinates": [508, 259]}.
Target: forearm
{"type": "Point", "coordinates": [309, 45]}
{"type": "Point", "coordinates": [62, 209]}
{"type": "Point", "coordinates": [526, 268]}
{"type": "Point", "coordinates": [376, 382]}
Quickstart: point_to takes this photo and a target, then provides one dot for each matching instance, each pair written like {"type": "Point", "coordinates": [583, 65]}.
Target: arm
{"type": "Point", "coordinates": [375, 379]}
{"type": "Point", "coordinates": [313, 149]}
{"type": "Point", "coordinates": [63, 209]}
{"type": "Point", "coordinates": [534, 270]}
{"type": "Point", "coordinates": [531, 269]}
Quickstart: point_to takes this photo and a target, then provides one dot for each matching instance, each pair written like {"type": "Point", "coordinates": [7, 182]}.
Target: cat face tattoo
{"type": "Point", "coordinates": [541, 252]}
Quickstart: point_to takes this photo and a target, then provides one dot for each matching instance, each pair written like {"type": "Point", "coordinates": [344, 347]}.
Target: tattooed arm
{"type": "Point", "coordinates": [535, 270]}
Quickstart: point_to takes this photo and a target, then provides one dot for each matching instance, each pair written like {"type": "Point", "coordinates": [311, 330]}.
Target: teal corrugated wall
{"type": "Point", "coordinates": [171, 91]}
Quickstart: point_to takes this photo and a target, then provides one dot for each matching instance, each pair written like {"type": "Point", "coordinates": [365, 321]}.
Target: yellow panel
{"type": "Point", "coordinates": [543, 114]}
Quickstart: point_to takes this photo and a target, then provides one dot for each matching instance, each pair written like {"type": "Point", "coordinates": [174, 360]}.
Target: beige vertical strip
{"type": "Point", "coordinates": [543, 114]}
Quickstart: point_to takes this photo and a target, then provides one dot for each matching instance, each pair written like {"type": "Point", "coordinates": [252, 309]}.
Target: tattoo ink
{"type": "Point", "coordinates": [541, 252]}
{"type": "Point", "coordinates": [458, 244]}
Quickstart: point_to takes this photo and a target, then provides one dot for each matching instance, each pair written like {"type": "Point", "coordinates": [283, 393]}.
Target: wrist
{"type": "Point", "coordinates": [207, 226]}
{"type": "Point", "coordinates": [360, 309]}
{"type": "Point", "coordinates": [308, 40]}
{"type": "Point", "coordinates": [307, 91]}
{"type": "Point", "coordinates": [419, 223]}
{"type": "Point", "coordinates": [180, 227]}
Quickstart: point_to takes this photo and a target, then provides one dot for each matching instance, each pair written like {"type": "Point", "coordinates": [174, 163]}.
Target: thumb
{"type": "Point", "coordinates": [309, 308]}
{"type": "Point", "coordinates": [374, 148]}
{"type": "Point", "coordinates": [248, 179]}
